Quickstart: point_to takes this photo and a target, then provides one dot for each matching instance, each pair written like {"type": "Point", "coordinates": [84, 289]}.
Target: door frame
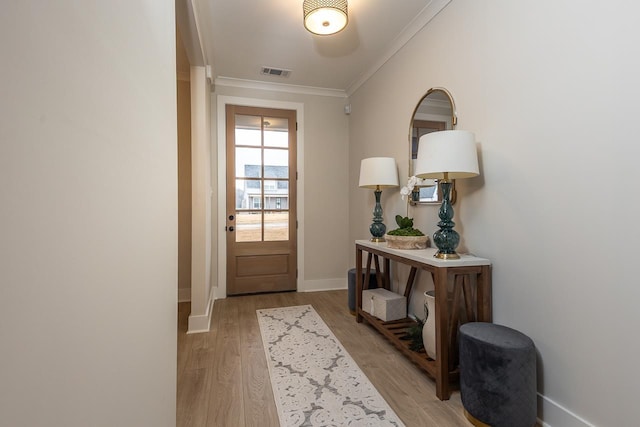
{"type": "Point", "coordinates": [222, 101]}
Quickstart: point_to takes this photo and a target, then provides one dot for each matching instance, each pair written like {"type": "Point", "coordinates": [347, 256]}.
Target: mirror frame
{"type": "Point", "coordinates": [454, 122]}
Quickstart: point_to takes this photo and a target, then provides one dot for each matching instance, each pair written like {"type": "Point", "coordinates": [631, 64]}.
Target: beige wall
{"type": "Point", "coordinates": [88, 214]}
{"type": "Point", "coordinates": [323, 174]}
{"type": "Point", "coordinates": [201, 229]}
{"type": "Point", "coordinates": [550, 89]}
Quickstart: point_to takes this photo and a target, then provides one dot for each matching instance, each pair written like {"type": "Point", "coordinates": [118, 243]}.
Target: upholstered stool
{"type": "Point", "coordinates": [497, 375]}
{"type": "Point", "coordinates": [351, 282]}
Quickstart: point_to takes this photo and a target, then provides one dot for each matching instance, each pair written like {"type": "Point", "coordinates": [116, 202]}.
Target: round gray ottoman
{"type": "Point", "coordinates": [497, 375]}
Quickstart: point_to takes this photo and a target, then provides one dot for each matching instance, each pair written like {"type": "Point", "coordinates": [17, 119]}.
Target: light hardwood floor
{"type": "Point", "coordinates": [223, 378]}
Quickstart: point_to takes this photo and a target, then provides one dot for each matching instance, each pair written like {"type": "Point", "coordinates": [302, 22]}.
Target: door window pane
{"type": "Point", "coordinates": [248, 131]}
{"type": "Point", "coordinates": [248, 190]}
{"type": "Point", "coordinates": [248, 227]}
{"type": "Point", "coordinates": [248, 162]}
{"type": "Point", "coordinates": [276, 195]}
{"type": "Point", "coordinates": [276, 132]}
{"type": "Point", "coordinates": [276, 226]}
{"type": "Point", "coordinates": [276, 163]}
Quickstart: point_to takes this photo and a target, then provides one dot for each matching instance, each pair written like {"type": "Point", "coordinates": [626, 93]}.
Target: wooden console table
{"type": "Point", "coordinates": [462, 294]}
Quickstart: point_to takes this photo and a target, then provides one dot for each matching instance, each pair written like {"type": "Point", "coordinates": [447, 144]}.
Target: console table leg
{"type": "Point", "coordinates": [387, 273]}
{"type": "Point", "coordinates": [454, 321]}
{"type": "Point", "coordinates": [410, 280]}
{"type": "Point", "coordinates": [468, 299]}
{"type": "Point", "coordinates": [368, 271]}
{"type": "Point", "coordinates": [379, 278]}
{"type": "Point", "coordinates": [484, 294]}
{"type": "Point", "coordinates": [442, 327]}
{"type": "Point", "coordinates": [359, 283]}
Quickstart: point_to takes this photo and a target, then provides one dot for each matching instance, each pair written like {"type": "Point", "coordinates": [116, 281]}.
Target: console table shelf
{"type": "Point", "coordinates": [469, 299]}
{"type": "Point", "coordinates": [394, 331]}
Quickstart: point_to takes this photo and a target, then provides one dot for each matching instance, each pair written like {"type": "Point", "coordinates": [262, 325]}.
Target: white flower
{"type": "Point", "coordinates": [411, 183]}
{"type": "Point", "coordinates": [405, 191]}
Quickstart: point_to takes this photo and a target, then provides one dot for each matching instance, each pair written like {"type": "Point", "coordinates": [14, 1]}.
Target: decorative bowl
{"type": "Point", "coordinates": [406, 242]}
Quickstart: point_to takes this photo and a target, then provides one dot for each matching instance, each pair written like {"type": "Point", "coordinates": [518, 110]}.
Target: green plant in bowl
{"type": "Point", "coordinates": [405, 236]}
{"type": "Point", "coordinates": [405, 227]}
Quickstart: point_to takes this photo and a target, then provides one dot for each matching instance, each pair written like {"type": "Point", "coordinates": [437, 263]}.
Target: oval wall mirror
{"type": "Point", "coordinates": [435, 111]}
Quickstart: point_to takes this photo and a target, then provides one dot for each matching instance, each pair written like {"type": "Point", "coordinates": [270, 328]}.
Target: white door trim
{"type": "Point", "coordinates": [221, 290]}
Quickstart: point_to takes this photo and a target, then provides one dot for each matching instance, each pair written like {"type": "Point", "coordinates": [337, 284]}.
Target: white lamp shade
{"type": "Point", "coordinates": [325, 17]}
{"type": "Point", "coordinates": [378, 171]}
{"type": "Point", "coordinates": [450, 152]}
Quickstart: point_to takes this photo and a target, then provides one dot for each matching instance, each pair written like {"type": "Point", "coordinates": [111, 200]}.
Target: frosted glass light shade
{"type": "Point", "coordinates": [448, 154]}
{"type": "Point", "coordinates": [378, 171]}
{"type": "Point", "coordinates": [324, 17]}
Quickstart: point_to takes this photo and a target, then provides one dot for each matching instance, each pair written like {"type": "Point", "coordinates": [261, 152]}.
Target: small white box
{"type": "Point", "coordinates": [384, 304]}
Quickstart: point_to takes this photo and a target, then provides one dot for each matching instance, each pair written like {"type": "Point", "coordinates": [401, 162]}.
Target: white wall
{"type": "Point", "coordinates": [323, 172]}
{"type": "Point", "coordinates": [201, 239]}
{"type": "Point", "coordinates": [88, 214]}
{"type": "Point", "coordinates": [551, 91]}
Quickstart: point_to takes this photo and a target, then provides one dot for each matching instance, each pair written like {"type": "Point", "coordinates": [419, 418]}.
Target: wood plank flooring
{"type": "Point", "coordinates": [223, 378]}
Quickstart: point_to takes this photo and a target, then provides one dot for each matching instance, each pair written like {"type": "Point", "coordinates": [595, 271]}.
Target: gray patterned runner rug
{"type": "Point", "coordinates": [315, 382]}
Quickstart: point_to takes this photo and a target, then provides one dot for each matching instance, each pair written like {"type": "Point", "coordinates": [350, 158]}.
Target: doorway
{"type": "Point", "coordinates": [261, 216]}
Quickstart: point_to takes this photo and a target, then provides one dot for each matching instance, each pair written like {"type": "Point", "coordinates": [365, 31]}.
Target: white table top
{"type": "Point", "coordinates": [426, 256]}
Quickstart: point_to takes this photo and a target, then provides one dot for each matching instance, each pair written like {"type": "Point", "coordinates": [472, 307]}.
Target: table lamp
{"type": "Point", "coordinates": [445, 156]}
{"type": "Point", "coordinates": [378, 173]}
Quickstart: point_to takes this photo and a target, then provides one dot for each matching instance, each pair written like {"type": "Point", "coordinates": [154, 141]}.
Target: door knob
{"type": "Point", "coordinates": [231, 228]}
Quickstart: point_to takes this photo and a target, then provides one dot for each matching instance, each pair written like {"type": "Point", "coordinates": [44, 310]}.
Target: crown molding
{"type": "Point", "coordinates": [188, 24]}
{"type": "Point", "coordinates": [279, 87]}
{"type": "Point", "coordinates": [418, 23]}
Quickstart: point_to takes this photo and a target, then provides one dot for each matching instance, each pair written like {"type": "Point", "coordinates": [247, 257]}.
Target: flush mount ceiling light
{"type": "Point", "coordinates": [324, 17]}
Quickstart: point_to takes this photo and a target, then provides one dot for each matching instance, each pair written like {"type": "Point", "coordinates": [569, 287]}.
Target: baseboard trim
{"type": "Point", "coordinates": [184, 294]}
{"type": "Point", "coordinates": [551, 414]}
{"type": "Point", "coordinates": [201, 323]}
{"type": "Point", "coordinates": [323, 285]}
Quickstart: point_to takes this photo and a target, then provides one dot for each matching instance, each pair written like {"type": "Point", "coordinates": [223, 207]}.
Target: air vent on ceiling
{"type": "Point", "coordinates": [278, 72]}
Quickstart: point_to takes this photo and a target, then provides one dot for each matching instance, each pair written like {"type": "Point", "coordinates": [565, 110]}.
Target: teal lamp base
{"type": "Point", "coordinates": [377, 228]}
{"type": "Point", "coordinates": [446, 239]}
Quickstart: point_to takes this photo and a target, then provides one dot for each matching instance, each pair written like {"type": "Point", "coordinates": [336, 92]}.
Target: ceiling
{"type": "Point", "coordinates": [238, 37]}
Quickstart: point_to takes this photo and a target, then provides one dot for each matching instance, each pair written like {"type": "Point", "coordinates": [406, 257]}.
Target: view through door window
{"type": "Point", "coordinates": [262, 178]}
